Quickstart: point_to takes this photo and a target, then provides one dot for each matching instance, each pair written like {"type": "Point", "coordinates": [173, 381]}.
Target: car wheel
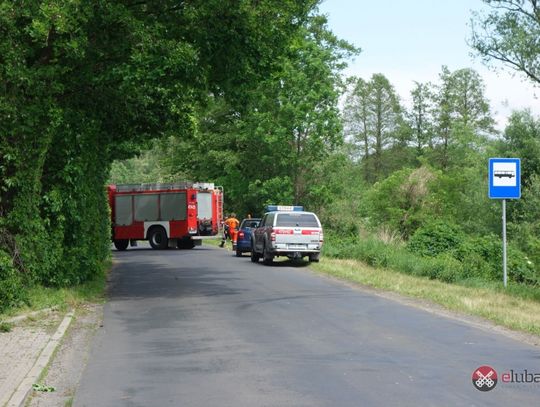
{"type": "Point", "coordinates": [121, 244]}
{"type": "Point", "coordinates": [238, 253]}
{"type": "Point", "coordinates": [268, 258]}
{"type": "Point", "coordinates": [254, 255]}
{"type": "Point", "coordinates": [314, 257]}
{"type": "Point", "coordinates": [158, 238]}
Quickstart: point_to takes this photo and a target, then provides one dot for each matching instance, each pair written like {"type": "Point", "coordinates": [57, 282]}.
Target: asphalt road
{"type": "Point", "coordinates": [202, 328]}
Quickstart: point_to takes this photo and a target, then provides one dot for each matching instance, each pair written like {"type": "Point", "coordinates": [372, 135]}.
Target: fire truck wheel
{"type": "Point", "coordinates": [121, 244]}
{"type": "Point", "coordinates": [158, 238]}
{"type": "Point", "coordinates": [185, 244]}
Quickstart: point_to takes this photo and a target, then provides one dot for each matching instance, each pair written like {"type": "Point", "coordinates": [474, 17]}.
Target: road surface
{"type": "Point", "coordinates": [203, 328]}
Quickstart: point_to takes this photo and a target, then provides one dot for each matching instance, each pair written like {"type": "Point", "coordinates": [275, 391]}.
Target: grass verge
{"type": "Point", "coordinates": [65, 298]}
{"type": "Point", "coordinates": [507, 309]}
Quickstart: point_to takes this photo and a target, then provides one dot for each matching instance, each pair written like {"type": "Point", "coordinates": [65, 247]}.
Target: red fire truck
{"type": "Point", "coordinates": [167, 215]}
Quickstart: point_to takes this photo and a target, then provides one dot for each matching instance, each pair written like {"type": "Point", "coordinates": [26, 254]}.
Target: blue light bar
{"type": "Point", "coordinates": [286, 208]}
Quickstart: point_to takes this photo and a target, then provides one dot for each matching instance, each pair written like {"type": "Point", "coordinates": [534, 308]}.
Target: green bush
{"type": "Point", "coordinates": [471, 258]}
{"type": "Point", "coordinates": [12, 291]}
{"type": "Point", "coordinates": [436, 238]}
{"type": "Point", "coordinates": [482, 258]}
{"type": "Point", "coordinates": [378, 254]}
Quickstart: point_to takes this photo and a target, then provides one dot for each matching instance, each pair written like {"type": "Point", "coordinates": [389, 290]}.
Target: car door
{"type": "Point", "coordinates": [258, 234]}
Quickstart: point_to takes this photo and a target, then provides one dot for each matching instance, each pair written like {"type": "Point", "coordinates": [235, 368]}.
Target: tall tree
{"type": "Point", "coordinates": [462, 113]}
{"type": "Point", "coordinates": [420, 115]}
{"type": "Point", "coordinates": [385, 117]}
{"type": "Point", "coordinates": [471, 108]}
{"type": "Point", "coordinates": [509, 33]}
{"type": "Point", "coordinates": [356, 116]}
{"type": "Point", "coordinates": [373, 117]}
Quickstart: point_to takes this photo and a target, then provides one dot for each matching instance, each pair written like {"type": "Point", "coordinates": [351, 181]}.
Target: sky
{"type": "Point", "coordinates": [411, 40]}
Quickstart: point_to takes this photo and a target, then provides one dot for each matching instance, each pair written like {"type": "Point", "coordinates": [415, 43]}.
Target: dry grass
{"type": "Point", "coordinates": [503, 309]}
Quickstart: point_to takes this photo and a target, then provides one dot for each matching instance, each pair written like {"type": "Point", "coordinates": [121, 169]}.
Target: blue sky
{"type": "Point", "coordinates": [410, 40]}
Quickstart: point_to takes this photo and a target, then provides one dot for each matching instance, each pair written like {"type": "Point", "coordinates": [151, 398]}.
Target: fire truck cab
{"type": "Point", "coordinates": [171, 215]}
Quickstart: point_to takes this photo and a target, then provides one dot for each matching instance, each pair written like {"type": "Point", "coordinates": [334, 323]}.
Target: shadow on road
{"type": "Point", "coordinates": [147, 273]}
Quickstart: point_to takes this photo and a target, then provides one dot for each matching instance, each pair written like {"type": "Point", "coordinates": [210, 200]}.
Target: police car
{"type": "Point", "coordinates": [287, 231]}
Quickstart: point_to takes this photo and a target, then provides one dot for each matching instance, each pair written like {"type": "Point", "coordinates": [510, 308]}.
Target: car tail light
{"type": "Point", "coordinates": [321, 238]}
{"type": "Point", "coordinates": [310, 232]}
{"type": "Point", "coordinates": [273, 236]}
{"type": "Point", "coordinates": [284, 231]}
{"type": "Point", "coordinates": [241, 235]}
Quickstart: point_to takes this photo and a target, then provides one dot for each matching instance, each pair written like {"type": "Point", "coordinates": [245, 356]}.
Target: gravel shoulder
{"type": "Point", "coordinates": [65, 370]}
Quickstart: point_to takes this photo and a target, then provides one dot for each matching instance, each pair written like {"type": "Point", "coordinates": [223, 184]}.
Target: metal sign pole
{"type": "Point", "coordinates": [504, 183]}
{"type": "Point", "coordinates": [505, 277]}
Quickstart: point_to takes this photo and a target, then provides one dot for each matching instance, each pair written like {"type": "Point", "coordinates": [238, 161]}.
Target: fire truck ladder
{"type": "Point", "coordinates": [153, 187]}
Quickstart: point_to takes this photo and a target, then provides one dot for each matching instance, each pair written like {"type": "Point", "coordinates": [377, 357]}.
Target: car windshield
{"type": "Point", "coordinates": [250, 223]}
{"type": "Point", "coordinates": [297, 219]}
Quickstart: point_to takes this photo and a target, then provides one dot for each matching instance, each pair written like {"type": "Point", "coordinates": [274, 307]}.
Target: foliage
{"type": "Point", "coordinates": [509, 33]}
{"type": "Point", "coordinates": [398, 200]}
{"type": "Point", "coordinates": [11, 284]}
{"type": "Point", "coordinates": [435, 238]}
{"type": "Point", "coordinates": [373, 118]}
{"type": "Point", "coordinates": [378, 254]}
{"type": "Point", "coordinates": [265, 151]}
{"type": "Point", "coordinates": [85, 83]}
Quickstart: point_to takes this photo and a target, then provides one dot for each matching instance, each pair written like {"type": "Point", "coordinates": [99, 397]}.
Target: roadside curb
{"type": "Point", "coordinates": [18, 398]}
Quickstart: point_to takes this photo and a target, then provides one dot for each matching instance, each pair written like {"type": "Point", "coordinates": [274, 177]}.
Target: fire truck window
{"type": "Point", "coordinates": [173, 206]}
{"type": "Point", "coordinates": [204, 205]}
{"type": "Point", "coordinates": [146, 207]}
{"type": "Point", "coordinates": [123, 212]}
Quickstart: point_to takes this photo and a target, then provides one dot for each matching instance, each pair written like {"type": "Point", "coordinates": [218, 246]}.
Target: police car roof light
{"type": "Point", "coordinates": [290, 208]}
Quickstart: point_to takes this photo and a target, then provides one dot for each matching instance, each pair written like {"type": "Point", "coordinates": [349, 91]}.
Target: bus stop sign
{"type": "Point", "coordinates": [504, 178]}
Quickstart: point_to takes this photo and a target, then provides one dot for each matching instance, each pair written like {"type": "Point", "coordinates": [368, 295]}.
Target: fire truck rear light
{"type": "Point", "coordinates": [192, 230]}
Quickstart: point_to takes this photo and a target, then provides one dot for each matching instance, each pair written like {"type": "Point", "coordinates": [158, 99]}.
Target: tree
{"type": "Point", "coordinates": [470, 106]}
{"type": "Point", "coordinates": [289, 122]}
{"type": "Point", "coordinates": [462, 114]}
{"type": "Point", "coordinates": [509, 33]}
{"type": "Point", "coordinates": [521, 138]}
{"type": "Point", "coordinates": [373, 114]}
{"type": "Point", "coordinates": [356, 115]}
{"type": "Point", "coordinates": [385, 116]}
{"type": "Point", "coordinates": [420, 115]}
